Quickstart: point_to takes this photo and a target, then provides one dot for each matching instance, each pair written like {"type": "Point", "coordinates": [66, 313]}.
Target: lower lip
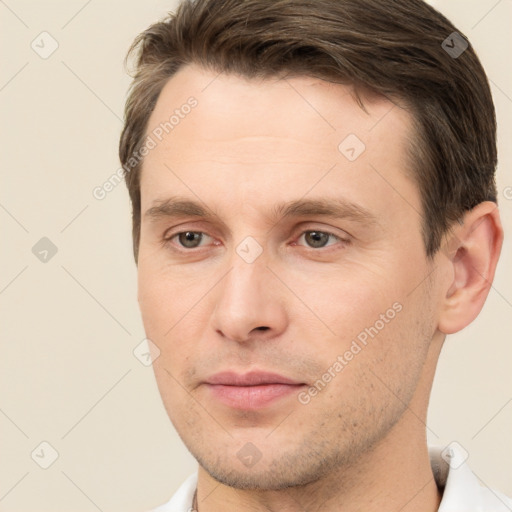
{"type": "Point", "coordinates": [252, 397]}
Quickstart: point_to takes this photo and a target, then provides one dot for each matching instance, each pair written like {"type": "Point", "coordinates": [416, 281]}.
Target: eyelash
{"type": "Point", "coordinates": [345, 241]}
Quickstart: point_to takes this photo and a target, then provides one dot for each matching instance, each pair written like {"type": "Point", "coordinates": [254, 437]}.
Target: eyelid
{"type": "Point", "coordinates": [339, 233]}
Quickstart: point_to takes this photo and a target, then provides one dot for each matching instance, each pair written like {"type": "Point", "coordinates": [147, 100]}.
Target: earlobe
{"type": "Point", "coordinates": [470, 262]}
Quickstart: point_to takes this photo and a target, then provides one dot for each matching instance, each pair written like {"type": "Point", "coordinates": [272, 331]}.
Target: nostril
{"type": "Point", "coordinates": [262, 328]}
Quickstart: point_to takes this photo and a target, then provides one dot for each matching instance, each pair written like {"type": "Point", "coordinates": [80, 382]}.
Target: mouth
{"type": "Point", "coordinates": [251, 391]}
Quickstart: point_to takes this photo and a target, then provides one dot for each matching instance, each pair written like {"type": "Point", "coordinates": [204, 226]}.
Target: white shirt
{"type": "Point", "coordinates": [460, 487]}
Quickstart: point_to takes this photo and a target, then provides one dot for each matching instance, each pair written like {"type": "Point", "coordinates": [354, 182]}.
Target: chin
{"type": "Point", "coordinates": [286, 472]}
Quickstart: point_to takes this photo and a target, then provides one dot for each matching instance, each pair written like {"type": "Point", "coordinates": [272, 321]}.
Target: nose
{"type": "Point", "coordinates": [250, 304]}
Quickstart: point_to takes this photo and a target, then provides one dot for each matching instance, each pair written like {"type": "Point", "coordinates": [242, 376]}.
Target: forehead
{"type": "Point", "coordinates": [324, 108]}
{"type": "Point", "coordinates": [285, 133]}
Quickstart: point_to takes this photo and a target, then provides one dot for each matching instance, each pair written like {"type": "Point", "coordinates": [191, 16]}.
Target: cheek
{"type": "Point", "coordinates": [345, 299]}
{"type": "Point", "coordinates": [175, 314]}
{"type": "Point", "coordinates": [369, 378]}
{"type": "Point", "coordinates": [183, 412]}
{"type": "Point", "coordinates": [153, 302]}
{"type": "Point", "coordinates": [379, 330]}
{"type": "Point", "coordinates": [164, 299]}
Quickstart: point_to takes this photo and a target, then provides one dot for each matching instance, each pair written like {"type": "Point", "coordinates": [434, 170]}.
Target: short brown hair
{"type": "Point", "coordinates": [391, 47]}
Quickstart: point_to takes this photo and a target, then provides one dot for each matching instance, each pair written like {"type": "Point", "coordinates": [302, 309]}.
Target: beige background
{"type": "Point", "coordinates": [68, 375]}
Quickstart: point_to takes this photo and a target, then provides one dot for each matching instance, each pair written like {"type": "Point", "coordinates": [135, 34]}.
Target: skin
{"type": "Point", "coordinates": [247, 147]}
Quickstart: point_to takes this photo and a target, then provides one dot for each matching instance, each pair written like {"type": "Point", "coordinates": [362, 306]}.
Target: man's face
{"type": "Point", "coordinates": [303, 257]}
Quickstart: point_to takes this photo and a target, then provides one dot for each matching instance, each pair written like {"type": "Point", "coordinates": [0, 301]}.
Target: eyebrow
{"type": "Point", "coordinates": [337, 208]}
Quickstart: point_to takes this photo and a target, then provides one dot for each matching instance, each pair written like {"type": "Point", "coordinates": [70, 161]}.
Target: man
{"type": "Point", "coordinates": [314, 210]}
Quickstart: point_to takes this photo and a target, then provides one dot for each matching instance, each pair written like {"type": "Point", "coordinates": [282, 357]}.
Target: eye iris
{"type": "Point", "coordinates": [190, 239]}
{"type": "Point", "coordinates": [316, 238]}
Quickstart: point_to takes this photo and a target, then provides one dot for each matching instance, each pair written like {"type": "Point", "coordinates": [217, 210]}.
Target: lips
{"type": "Point", "coordinates": [249, 379]}
{"type": "Point", "coordinates": [253, 390]}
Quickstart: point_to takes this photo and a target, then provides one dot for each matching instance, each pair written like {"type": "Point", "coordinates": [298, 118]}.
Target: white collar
{"type": "Point", "coordinates": [461, 489]}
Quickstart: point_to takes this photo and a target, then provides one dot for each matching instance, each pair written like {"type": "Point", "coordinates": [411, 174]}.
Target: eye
{"type": "Point", "coordinates": [189, 239]}
{"type": "Point", "coordinates": [318, 239]}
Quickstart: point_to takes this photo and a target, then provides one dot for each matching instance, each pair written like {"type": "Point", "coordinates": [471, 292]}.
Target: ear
{"type": "Point", "coordinates": [472, 252]}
